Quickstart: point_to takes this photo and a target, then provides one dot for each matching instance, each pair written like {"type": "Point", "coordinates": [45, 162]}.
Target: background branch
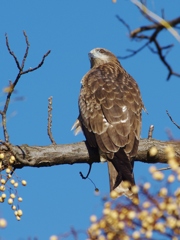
{"type": "Point", "coordinates": [12, 85]}
{"type": "Point", "coordinates": [158, 25]}
{"type": "Point", "coordinates": [178, 126]}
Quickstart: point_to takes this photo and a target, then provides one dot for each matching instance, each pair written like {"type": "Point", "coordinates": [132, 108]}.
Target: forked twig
{"type": "Point", "coordinates": [21, 71]}
{"type": "Point", "coordinates": [158, 25]}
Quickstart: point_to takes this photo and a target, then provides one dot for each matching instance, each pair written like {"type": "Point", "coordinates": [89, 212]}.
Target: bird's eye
{"type": "Point", "coordinates": [101, 51]}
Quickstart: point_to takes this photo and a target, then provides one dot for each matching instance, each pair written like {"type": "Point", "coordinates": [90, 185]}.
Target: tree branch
{"type": "Point", "coordinates": [46, 156]}
{"type": "Point", "coordinates": [12, 85]}
{"type": "Point", "coordinates": [158, 25]}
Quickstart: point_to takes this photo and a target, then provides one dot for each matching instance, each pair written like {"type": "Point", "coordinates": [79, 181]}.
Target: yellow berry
{"type": "Point", "coordinates": [3, 181]}
{"type": "Point", "coordinates": [153, 151]}
{"type": "Point", "coordinates": [19, 212]}
{"type": "Point", "coordinates": [2, 188]}
{"type": "Point", "coordinates": [9, 176]}
{"type": "Point", "coordinates": [146, 185]}
{"type": "Point", "coordinates": [3, 195]}
{"type": "Point", "coordinates": [131, 214]}
{"type": "Point", "coordinates": [152, 169]}
{"type": "Point", "coordinates": [170, 152]}
{"type": "Point", "coordinates": [1, 155]}
{"type": "Point", "coordinates": [158, 176]}
{"type": "Point", "coordinates": [114, 214]}
{"type": "Point", "coordinates": [13, 207]}
{"type": "Point", "coordinates": [136, 235]}
{"type": "Point", "coordinates": [8, 170]}
{"type": "Point", "coordinates": [20, 199]}
{"type": "Point", "coordinates": [1, 200]}
{"type": "Point", "coordinates": [113, 194]}
{"type": "Point", "coordinates": [148, 234]}
{"type": "Point", "coordinates": [146, 204]}
{"type": "Point", "coordinates": [12, 195]}
{"type": "Point", "coordinates": [121, 225]}
{"type": "Point", "coordinates": [15, 213]}
{"type": "Point", "coordinates": [3, 223]}
{"type": "Point", "coordinates": [12, 181]}
{"type": "Point", "coordinates": [10, 201]}
{"type": "Point", "coordinates": [16, 184]}
{"type": "Point", "coordinates": [53, 237]}
{"type": "Point", "coordinates": [126, 184]}
{"type": "Point", "coordinates": [135, 189]}
{"type": "Point", "coordinates": [171, 178]}
{"type": "Point", "coordinates": [171, 222]}
{"type": "Point", "coordinates": [12, 160]}
{"type": "Point", "coordinates": [163, 192]}
{"type": "Point", "coordinates": [106, 211]}
{"type": "Point", "coordinates": [24, 183]}
{"type": "Point", "coordinates": [93, 218]}
{"type": "Point", "coordinates": [18, 218]}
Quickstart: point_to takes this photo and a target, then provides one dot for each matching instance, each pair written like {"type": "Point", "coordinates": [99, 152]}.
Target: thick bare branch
{"type": "Point", "coordinates": [36, 156]}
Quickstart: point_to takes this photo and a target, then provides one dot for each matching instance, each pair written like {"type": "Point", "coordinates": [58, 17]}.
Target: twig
{"type": "Point", "coordinates": [162, 169]}
{"type": "Point", "coordinates": [178, 126]}
{"type": "Point", "coordinates": [27, 50]}
{"type": "Point", "coordinates": [124, 23]}
{"type": "Point", "coordinates": [157, 26]}
{"type": "Point", "coordinates": [50, 120]}
{"type": "Point", "coordinates": [11, 52]}
{"type": "Point", "coordinates": [160, 20]}
{"type": "Point", "coordinates": [134, 52]}
{"type": "Point", "coordinates": [159, 49]}
{"type": "Point", "coordinates": [12, 85]}
{"type": "Point", "coordinates": [150, 132]}
{"type": "Point", "coordinates": [39, 65]}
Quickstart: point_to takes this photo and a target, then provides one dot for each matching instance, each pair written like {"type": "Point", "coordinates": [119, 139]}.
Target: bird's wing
{"type": "Point", "coordinates": [110, 107]}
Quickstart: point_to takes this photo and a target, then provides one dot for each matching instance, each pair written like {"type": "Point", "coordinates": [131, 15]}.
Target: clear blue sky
{"type": "Point", "coordinates": [56, 198]}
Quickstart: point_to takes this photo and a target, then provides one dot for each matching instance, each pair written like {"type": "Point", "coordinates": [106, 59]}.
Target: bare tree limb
{"type": "Point", "coordinates": [39, 156]}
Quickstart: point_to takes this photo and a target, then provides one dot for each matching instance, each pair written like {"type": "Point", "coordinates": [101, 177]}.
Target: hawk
{"type": "Point", "coordinates": [110, 107]}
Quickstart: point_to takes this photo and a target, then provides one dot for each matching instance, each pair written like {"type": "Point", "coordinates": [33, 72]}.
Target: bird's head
{"type": "Point", "coordinates": [99, 56]}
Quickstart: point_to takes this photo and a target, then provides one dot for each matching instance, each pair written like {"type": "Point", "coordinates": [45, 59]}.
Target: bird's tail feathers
{"type": "Point", "coordinates": [121, 175]}
{"type": "Point", "coordinates": [76, 127]}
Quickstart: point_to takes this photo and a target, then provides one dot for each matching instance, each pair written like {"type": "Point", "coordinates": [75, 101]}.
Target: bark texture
{"type": "Point", "coordinates": [46, 156]}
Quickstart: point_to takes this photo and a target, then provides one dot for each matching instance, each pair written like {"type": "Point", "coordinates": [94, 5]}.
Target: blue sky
{"type": "Point", "coordinates": [56, 198]}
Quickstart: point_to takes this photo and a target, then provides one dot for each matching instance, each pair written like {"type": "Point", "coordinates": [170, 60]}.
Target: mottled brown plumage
{"type": "Point", "coordinates": [110, 107]}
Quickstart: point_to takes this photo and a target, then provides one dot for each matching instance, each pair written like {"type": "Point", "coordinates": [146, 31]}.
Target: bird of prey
{"type": "Point", "coordinates": [110, 107]}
